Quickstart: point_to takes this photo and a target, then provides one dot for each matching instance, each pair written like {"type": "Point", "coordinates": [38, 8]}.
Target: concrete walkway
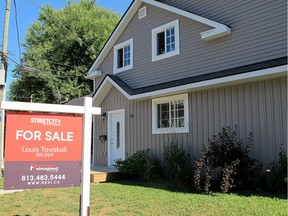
{"type": "Point", "coordinates": [2, 192]}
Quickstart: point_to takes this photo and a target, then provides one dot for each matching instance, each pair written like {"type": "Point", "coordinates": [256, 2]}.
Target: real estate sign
{"type": "Point", "coordinates": [42, 150]}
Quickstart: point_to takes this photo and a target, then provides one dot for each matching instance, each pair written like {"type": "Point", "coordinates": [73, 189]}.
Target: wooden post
{"type": "Point", "coordinates": [86, 155]}
{"type": "Point", "coordinates": [4, 67]}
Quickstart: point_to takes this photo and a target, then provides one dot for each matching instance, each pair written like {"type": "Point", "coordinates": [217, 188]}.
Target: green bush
{"type": "Point", "coordinates": [177, 163]}
{"type": "Point", "coordinates": [277, 175]}
{"type": "Point", "coordinates": [141, 165]}
{"type": "Point", "coordinates": [228, 158]}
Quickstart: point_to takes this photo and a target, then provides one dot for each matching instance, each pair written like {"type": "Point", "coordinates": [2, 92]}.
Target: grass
{"type": "Point", "coordinates": [137, 198]}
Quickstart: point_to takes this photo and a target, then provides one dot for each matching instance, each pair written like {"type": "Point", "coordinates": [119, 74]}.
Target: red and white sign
{"type": "Point", "coordinates": [42, 150]}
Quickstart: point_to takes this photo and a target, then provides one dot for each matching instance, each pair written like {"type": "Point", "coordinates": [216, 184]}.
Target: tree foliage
{"type": "Point", "coordinates": [59, 49]}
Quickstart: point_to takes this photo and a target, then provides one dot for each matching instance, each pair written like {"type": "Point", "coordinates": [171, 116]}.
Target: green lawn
{"type": "Point", "coordinates": [137, 198]}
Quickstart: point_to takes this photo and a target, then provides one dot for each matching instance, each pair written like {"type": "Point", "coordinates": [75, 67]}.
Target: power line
{"type": "Point", "coordinates": [56, 63]}
{"type": "Point", "coordinates": [10, 53]}
{"type": "Point", "coordinates": [36, 70]}
{"type": "Point", "coordinates": [33, 69]}
{"type": "Point", "coordinates": [59, 23]}
{"type": "Point", "coordinates": [17, 29]}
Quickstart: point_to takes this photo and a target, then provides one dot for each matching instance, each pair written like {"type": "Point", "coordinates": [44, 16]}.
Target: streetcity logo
{"type": "Point", "coordinates": [46, 121]}
{"type": "Point", "coordinates": [44, 167]}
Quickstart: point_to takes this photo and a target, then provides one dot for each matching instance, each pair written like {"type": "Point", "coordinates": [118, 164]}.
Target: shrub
{"type": "Point", "coordinates": [226, 154]}
{"type": "Point", "coordinates": [141, 165]}
{"type": "Point", "coordinates": [177, 163]}
{"type": "Point", "coordinates": [277, 175]}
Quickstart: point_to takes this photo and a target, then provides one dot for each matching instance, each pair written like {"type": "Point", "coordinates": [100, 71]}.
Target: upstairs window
{"type": "Point", "coordinates": [165, 41]}
{"type": "Point", "coordinates": [123, 56]}
{"type": "Point", "coordinates": [170, 115]}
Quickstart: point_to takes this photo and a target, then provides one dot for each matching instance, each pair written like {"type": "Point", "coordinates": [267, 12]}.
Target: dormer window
{"type": "Point", "coordinates": [123, 56]}
{"type": "Point", "coordinates": [165, 41]}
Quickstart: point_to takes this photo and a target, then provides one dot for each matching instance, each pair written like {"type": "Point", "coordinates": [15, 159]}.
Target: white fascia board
{"type": "Point", "coordinates": [108, 83]}
{"type": "Point", "coordinates": [41, 107]}
{"type": "Point", "coordinates": [218, 31]}
{"type": "Point", "coordinates": [214, 82]}
{"type": "Point", "coordinates": [104, 89]}
{"type": "Point", "coordinates": [93, 74]}
{"type": "Point", "coordinates": [215, 33]}
{"type": "Point", "coordinates": [114, 37]}
{"type": "Point", "coordinates": [101, 92]}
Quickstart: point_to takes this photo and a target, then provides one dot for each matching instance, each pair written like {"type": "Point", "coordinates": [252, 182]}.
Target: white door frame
{"type": "Point", "coordinates": [93, 140]}
{"type": "Point", "coordinates": [110, 113]}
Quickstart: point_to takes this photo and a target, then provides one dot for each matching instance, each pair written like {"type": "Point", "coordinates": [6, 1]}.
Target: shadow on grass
{"type": "Point", "coordinates": [170, 186]}
{"type": "Point", "coordinates": [261, 193]}
{"type": "Point", "coordinates": [161, 185]}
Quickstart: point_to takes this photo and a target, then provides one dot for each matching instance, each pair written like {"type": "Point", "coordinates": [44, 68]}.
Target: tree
{"type": "Point", "coordinates": [59, 49]}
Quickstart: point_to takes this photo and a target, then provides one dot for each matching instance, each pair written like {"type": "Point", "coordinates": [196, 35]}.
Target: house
{"type": "Point", "coordinates": [189, 68]}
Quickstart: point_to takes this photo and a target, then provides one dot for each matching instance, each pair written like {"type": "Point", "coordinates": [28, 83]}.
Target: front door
{"type": "Point", "coordinates": [116, 136]}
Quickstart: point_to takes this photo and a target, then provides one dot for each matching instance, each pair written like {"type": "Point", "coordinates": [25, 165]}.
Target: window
{"type": "Point", "coordinates": [118, 134]}
{"type": "Point", "coordinates": [165, 41]}
{"type": "Point", "coordinates": [170, 114]}
{"type": "Point", "coordinates": [123, 56]}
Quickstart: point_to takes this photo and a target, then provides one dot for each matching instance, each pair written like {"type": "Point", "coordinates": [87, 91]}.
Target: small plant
{"type": "Point", "coordinates": [226, 155]}
{"type": "Point", "coordinates": [277, 175]}
{"type": "Point", "coordinates": [141, 165]}
{"type": "Point", "coordinates": [177, 163]}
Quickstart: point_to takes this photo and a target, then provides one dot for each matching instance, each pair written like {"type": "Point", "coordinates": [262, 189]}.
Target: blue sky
{"type": "Point", "coordinates": [27, 13]}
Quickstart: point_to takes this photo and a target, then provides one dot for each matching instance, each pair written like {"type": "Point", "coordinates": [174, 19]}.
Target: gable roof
{"type": "Point", "coordinates": [78, 101]}
{"type": "Point", "coordinates": [270, 68]}
{"type": "Point", "coordinates": [218, 29]}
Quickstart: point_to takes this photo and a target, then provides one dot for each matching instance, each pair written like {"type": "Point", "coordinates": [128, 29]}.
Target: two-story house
{"type": "Point", "coordinates": [189, 68]}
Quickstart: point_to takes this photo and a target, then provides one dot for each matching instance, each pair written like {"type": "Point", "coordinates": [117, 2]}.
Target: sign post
{"type": "Point", "coordinates": [24, 136]}
{"type": "Point", "coordinates": [86, 157]}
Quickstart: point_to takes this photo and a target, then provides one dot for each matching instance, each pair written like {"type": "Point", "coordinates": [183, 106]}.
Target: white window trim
{"type": "Point", "coordinates": [116, 48]}
{"type": "Point", "coordinates": [155, 129]}
{"type": "Point", "coordinates": [162, 28]}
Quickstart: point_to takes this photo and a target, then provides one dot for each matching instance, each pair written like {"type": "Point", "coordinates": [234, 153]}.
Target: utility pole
{"type": "Point", "coordinates": [3, 73]}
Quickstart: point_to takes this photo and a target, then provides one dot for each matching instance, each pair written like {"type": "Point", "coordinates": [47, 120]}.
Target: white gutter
{"type": "Point", "coordinates": [108, 83]}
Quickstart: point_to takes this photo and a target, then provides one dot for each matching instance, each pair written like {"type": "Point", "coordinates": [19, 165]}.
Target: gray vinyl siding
{"type": "Point", "coordinates": [259, 33]}
{"type": "Point", "coordinates": [259, 107]}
